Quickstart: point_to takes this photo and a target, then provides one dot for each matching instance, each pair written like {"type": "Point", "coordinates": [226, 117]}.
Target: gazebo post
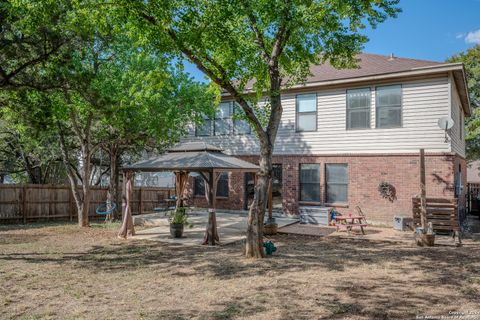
{"type": "Point", "coordinates": [180, 183]}
{"type": "Point", "coordinates": [211, 233]}
{"type": "Point", "coordinates": [127, 228]}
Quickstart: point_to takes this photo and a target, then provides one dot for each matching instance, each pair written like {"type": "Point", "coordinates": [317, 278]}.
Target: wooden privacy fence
{"type": "Point", "coordinates": [473, 199]}
{"type": "Point", "coordinates": [33, 202]}
{"type": "Point", "coordinates": [442, 213]}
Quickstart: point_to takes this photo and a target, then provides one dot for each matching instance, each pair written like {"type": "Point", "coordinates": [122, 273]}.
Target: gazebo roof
{"type": "Point", "coordinates": [193, 146]}
{"type": "Point", "coordinates": [193, 156]}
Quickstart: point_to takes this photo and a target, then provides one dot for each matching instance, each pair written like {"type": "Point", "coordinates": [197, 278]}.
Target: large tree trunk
{"type": "Point", "coordinates": [112, 195]}
{"type": "Point", "coordinates": [127, 228]}
{"type": "Point", "coordinates": [83, 214]}
{"type": "Point", "coordinates": [82, 199]}
{"type": "Point", "coordinates": [72, 176]}
{"type": "Point", "coordinates": [254, 243]}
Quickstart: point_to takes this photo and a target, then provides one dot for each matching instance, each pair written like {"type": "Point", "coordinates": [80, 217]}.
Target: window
{"type": "Point", "coordinates": [310, 182]}
{"type": "Point", "coordinates": [337, 183]}
{"type": "Point", "coordinates": [358, 108]}
{"type": "Point", "coordinates": [205, 129]}
{"type": "Point", "coordinates": [198, 186]}
{"type": "Point", "coordinates": [223, 119]}
{"type": "Point", "coordinates": [389, 106]}
{"type": "Point", "coordinates": [240, 126]}
{"type": "Point", "coordinates": [222, 186]}
{"type": "Point", "coordinates": [306, 112]}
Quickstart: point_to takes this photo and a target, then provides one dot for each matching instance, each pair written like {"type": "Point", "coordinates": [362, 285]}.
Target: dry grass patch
{"type": "Point", "coordinates": [63, 272]}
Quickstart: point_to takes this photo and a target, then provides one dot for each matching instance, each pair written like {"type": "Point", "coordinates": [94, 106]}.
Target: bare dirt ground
{"type": "Point", "coordinates": [62, 272]}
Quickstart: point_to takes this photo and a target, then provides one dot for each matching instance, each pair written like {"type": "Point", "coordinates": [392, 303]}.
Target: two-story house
{"type": "Point", "coordinates": [344, 132]}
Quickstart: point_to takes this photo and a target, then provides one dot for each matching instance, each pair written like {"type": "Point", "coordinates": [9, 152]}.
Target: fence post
{"type": "Point", "coordinates": [140, 204]}
{"type": "Point", "coordinates": [24, 203]}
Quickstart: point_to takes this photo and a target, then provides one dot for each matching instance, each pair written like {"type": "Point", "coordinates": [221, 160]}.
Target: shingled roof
{"type": "Point", "coordinates": [368, 65]}
{"type": "Point", "coordinates": [380, 67]}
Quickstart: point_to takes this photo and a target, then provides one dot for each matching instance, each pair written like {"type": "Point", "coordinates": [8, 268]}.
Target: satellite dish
{"type": "Point", "coordinates": [445, 123]}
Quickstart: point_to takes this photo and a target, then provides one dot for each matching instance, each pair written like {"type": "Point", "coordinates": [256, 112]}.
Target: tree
{"type": "Point", "coordinates": [151, 103]}
{"type": "Point", "coordinates": [254, 49]}
{"type": "Point", "coordinates": [114, 96]}
{"type": "Point", "coordinates": [471, 60]}
{"type": "Point", "coordinates": [32, 34]}
{"type": "Point", "coordinates": [25, 156]}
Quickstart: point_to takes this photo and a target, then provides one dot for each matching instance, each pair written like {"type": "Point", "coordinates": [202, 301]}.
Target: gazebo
{"type": "Point", "coordinates": [206, 160]}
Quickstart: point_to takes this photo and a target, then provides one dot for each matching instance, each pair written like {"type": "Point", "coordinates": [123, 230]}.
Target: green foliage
{"type": "Point", "coordinates": [34, 35]}
{"type": "Point", "coordinates": [471, 60]}
{"type": "Point", "coordinates": [66, 69]}
{"type": "Point", "coordinates": [222, 36]}
{"type": "Point", "coordinates": [179, 216]}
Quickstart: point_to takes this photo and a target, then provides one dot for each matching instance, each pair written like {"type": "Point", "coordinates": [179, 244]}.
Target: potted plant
{"type": "Point", "coordinates": [178, 219]}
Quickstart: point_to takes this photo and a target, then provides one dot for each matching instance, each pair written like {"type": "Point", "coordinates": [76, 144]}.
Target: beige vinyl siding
{"type": "Point", "coordinates": [423, 103]}
{"type": "Point", "coordinates": [457, 137]}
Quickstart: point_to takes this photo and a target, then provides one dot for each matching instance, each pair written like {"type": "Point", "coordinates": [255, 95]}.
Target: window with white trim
{"type": "Point", "coordinates": [204, 129]}
{"type": "Point", "coordinates": [223, 119]}
{"type": "Point", "coordinates": [240, 126]}
{"type": "Point", "coordinates": [310, 182]}
{"type": "Point", "coordinates": [389, 106]}
{"type": "Point", "coordinates": [358, 108]}
{"type": "Point", "coordinates": [306, 107]}
{"type": "Point", "coordinates": [336, 180]}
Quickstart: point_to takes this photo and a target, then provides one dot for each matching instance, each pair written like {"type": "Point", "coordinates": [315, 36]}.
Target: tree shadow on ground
{"type": "Point", "coordinates": [384, 298]}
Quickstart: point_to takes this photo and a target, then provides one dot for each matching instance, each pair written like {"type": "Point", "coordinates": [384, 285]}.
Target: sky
{"type": "Point", "coordinates": [426, 29]}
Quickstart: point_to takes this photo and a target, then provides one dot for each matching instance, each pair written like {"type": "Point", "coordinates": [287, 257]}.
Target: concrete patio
{"type": "Point", "coordinates": [231, 227]}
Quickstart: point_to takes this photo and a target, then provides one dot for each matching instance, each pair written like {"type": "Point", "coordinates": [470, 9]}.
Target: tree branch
{"type": "Point", "coordinates": [221, 80]}
{"type": "Point", "coordinates": [259, 40]}
{"type": "Point", "coordinates": [283, 33]}
{"type": "Point", "coordinates": [7, 76]}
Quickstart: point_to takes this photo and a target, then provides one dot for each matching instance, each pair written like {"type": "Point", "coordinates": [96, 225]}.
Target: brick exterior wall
{"type": "Point", "coordinates": [365, 174]}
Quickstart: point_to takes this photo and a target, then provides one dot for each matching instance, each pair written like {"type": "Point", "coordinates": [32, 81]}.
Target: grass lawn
{"type": "Point", "coordinates": [58, 271]}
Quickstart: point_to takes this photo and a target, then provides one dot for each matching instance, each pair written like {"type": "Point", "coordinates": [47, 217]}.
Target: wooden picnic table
{"type": "Point", "coordinates": [350, 221]}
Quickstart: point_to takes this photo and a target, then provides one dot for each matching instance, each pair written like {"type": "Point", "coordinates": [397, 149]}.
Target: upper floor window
{"type": "Point", "coordinates": [358, 108]}
{"type": "Point", "coordinates": [240, 126]}
{"type": "Point", "coordinates": [336, 182]}
{"type": "Point", "coordinates": [306, 112]}
{"type": "Point", "coordinates": [389, 106]}
{"type": "Point", "coordinates": [223, 119]}
{"type": "Point", "coordinates": [223, 123]}
{"type": "Point", "coordinates": [310, 182]}
{"type": "Point", "coordinates": [204, 129]}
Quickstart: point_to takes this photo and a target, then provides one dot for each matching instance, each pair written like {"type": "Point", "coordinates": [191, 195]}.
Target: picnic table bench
{"type": "Point", "coordinates": [348, 222]}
